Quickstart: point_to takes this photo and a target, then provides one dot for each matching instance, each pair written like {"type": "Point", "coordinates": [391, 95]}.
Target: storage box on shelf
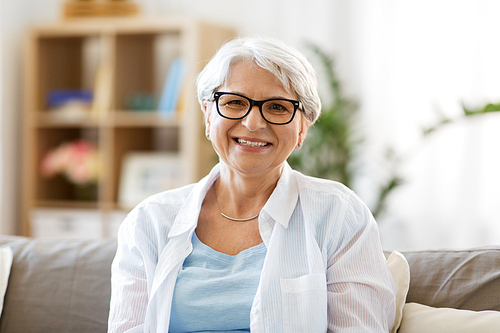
{"type": "Point", "coordinates": [125, 64]}
{"type": "Point", "coordinates": [74, 9]}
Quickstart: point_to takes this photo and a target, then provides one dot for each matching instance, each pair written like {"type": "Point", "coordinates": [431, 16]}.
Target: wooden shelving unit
{"type": "Point", "coordinates": [137, 54]}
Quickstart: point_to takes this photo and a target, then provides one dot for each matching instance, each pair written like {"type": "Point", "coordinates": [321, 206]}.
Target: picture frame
{"type": "Point", "coordinates": [147, 173]}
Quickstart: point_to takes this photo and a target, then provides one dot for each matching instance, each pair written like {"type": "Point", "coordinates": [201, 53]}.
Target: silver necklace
{"type": "Point", "coordinates": [229, 217]}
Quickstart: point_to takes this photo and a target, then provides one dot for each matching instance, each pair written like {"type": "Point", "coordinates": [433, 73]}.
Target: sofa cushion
{"type": "Point", "coordinates": [5, 266]}
{"type": "Point", "coordinates": [58, 285]}
{"type": "Point", "coordinates": [418, 318]}
{"type": "Point", "coordinates": [400, 272]}
{"type": "Point", "coordinates": [460, 279]}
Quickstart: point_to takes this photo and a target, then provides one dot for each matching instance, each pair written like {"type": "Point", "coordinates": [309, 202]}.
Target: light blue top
{"type": "Point", "coordinates": [214, 291]}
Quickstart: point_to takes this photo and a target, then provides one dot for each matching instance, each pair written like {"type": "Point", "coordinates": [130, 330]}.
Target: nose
{"type": "Point", "coordinates": [254, 120]}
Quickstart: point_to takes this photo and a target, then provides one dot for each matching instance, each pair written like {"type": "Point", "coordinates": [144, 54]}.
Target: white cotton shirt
{"type": "Point", "coordinates": [324, 270]}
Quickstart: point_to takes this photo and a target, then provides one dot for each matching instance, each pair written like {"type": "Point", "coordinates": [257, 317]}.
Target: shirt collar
{"type": "Point", "coordinates": [187, 218]}
{"type": "Point", "coordinates": [283, 200]}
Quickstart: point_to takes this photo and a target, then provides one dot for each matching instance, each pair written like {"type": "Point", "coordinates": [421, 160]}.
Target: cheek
{"type": "Point", "coordinates": [218, 128]}
{"type": "Point", "coordinates": [213, 124]}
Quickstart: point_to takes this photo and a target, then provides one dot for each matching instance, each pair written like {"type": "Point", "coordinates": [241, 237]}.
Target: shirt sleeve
{"type": "Point", "coordinates": [361, 291]}
{"type": "Point", "coordinates": [129, 290]}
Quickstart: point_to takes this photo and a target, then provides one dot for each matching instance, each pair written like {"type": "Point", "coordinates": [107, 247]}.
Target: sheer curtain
{"type": "Point", "coordinates": [418, 59]}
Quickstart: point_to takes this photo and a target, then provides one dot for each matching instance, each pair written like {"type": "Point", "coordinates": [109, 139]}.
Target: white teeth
{"type": "Point", "coordinates": [251, 143]}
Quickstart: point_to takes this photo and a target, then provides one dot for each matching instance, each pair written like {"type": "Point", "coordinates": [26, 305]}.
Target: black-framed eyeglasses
{"type": "Point", "coordinates": [277, 111]}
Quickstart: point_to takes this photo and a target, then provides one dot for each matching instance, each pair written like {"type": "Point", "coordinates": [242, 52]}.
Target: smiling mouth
{"type": "Point", "coordinates": [251, 143]}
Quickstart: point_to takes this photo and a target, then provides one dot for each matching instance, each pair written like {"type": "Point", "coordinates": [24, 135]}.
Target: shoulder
{"type": "Point", "coordinates": [155, 215]}
{"type": "Point", "coordinates": [338, 216]}
{"type": "Point", "coordinates": [171, 197]}
{"type": "Point", "coordinates": [330, 198]}
{"type": "Point", "coordinates": [163, 205]}
{"type": "Point", "coordinates": [319, 186]}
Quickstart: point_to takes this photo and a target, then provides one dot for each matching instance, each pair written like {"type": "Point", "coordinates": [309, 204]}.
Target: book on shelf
{"type": "Point", "coordinates": [75, 9]}
{"type": "Point", "coordinates": [169, 99]}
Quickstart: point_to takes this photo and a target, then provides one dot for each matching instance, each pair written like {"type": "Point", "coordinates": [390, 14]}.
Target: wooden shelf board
{"type": "Point", "coordinates": [88, 26]}
{"type": "Point", "coordinates": [140, 119]}
{"type": "Point", "coordinates": [46, 119]}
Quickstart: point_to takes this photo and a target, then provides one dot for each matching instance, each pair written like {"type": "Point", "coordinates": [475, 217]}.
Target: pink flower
{"type": "Point", "coordinates": [77, 160]}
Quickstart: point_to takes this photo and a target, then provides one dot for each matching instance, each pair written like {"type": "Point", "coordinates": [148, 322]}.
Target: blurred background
{"type": "Point", "coordinates": [409, 66]}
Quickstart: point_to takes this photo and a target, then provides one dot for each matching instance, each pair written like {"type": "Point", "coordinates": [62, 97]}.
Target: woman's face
{"type": "Point", "coordinates": [251, 145]}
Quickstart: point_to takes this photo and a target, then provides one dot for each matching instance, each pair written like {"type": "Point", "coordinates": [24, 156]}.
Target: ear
{"type": "Point", "coordinates": [304, 126]}
{"type": "Point", "coordinates": [207, 111]}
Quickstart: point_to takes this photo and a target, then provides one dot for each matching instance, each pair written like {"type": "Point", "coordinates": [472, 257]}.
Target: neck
{"type": "Point", "coordinates": [242, 195]}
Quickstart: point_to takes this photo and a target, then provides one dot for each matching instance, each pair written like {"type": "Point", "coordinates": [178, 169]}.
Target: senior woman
{"type": "Point", "coordinates": [254, 246]}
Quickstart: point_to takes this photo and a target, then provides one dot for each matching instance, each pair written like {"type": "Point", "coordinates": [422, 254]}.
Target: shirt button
{"type": "Point", "coordinates": [264, 215]}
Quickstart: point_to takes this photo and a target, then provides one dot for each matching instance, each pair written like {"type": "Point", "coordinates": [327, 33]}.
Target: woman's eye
{"type": "Point", "coordinates": [235, 102]}
{"type": "Point", "coordinates": [232, 101]}
{"type": "Point", "coordinates": [276, 107]}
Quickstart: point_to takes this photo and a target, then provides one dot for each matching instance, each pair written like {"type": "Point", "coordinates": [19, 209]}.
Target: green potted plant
{"type": "Point", "coordinates": [332, 144]}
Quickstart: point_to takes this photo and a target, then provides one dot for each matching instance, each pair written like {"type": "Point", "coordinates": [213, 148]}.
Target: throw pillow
{"type": "Point", "coordinates": [5, 266]}
{"type": "Point", "coordinates": [418, 318]}
{"type": "Point", "coordinates": [400, 271]}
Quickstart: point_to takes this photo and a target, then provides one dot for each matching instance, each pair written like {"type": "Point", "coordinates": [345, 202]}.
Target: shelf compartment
{"type": "Point", "coordinates": [58, 188]}
{"type": "Point", "coordinates": [140, 139]}
{"type": "Point", "coordinates": [144, 60]}
{"type": "Point", "coordinates": [62, 60]}
{"type": "Point", "coordinates": [66, 62]}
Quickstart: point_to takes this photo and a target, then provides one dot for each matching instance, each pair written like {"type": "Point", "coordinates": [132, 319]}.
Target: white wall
{"type": "Point", "coordinates": [15, 19]}
{"type": "Point", "coordinates": [401, 59]}
{"type": "Point", "coordinates": [1, 104]}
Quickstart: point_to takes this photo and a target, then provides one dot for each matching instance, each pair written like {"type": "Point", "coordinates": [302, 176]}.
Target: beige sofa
{"type": "Point", "coordinates": [64, 285]}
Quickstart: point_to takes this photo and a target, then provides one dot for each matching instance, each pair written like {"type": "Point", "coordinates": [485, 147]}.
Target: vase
{"type": "Point", "coordinates": [86, 192]}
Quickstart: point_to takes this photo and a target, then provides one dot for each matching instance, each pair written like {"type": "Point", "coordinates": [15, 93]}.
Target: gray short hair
{"type": "Point", "coordinates": [289, 66]}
